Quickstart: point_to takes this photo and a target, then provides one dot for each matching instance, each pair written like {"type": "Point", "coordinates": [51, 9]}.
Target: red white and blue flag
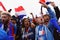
{"type": "Point", "coordinates": [20, 12]}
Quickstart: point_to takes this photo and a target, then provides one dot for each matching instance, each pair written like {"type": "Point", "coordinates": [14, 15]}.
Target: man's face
{"type": "Point", "coordinates": [13, 21]}
{"type": "Point", "coordinates": [5, 18]}
{"type": "Point", "coordinates": [46, 18]}
{"type": "Point", "coordinates": [40, 20]}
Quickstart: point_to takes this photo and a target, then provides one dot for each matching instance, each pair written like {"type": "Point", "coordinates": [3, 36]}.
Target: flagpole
{"type": "Point", "coordinates": [3, 6]}
{"type": "Point", "coordinates": [41, 11]}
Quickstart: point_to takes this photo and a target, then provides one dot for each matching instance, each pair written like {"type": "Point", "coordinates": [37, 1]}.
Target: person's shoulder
{"type": "Point", "coordinates": [2, 33]}
{"type": "Point", "coordinates": [37, 27]}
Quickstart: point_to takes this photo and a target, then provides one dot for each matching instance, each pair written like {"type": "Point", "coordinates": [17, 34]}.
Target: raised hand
{"type": "Point", "coordinates": [53, 4]}
{"type": "Point", "coordinates": [44, 5]}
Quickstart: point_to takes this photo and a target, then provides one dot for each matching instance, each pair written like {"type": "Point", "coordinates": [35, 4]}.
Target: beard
{"type": "Point", "coordinates": [47, 20]}
{"type": "Point", "coordinates": [5, 21]}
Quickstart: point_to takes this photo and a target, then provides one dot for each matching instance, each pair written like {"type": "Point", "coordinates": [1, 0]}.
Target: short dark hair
{"type": "Point", "coordinates": [46, 15]}
{"type": "Point", "coordinates": [6, 14]}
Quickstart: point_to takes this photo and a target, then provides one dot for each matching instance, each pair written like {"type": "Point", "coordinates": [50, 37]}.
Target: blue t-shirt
{"type": "Point", "coordinates": [3, 35]}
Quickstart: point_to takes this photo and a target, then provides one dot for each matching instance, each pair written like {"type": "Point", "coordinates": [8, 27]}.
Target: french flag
{"type": "Point", "coordinates": [44, 1]}
{"type": "Point", "coordinates": [20, 12]}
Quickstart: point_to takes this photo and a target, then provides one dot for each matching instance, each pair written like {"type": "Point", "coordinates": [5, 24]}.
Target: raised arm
{"type": "Point", "coordinates": [51, 13]}
{"type": "Point", "coordinates": [57, 11]}
{"type": "Point", "coordinates": [55, 24]}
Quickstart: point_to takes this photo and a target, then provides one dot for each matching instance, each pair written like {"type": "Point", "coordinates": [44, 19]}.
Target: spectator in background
{"type": "Point", "coordinates": [3, 34]}
{"type": "Point", "coordinates": [51, 20]}
{"type": "Point", "coordinates": [5, 19]}
{"type": "Point", "coordinates": [14, 21]}
{"type": "Point", "coordinates": [42, 32]}
{"type": "Point", "coordinates": [46, 19]}
{"type": "Point", "coordinates": [7, 25]}
{"type": "Point", "coordinates": [57, 11]}
{"type": "Point", "coordinates": [17, 27]}
{"type": "Point", "coordinates": [27, 32]}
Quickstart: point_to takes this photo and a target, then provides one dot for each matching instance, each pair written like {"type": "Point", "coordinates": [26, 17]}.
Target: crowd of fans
{"type": "Point", "coordinates": [45, 27]}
